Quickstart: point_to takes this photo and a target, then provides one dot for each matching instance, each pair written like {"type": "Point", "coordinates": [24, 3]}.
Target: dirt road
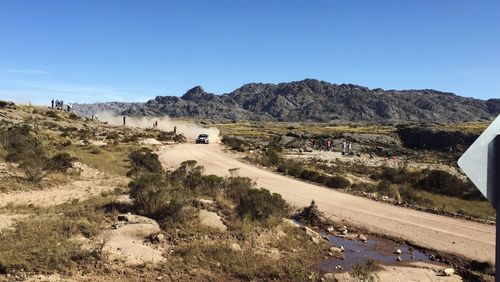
{"type": "Point", "coordinates": [469, 239]}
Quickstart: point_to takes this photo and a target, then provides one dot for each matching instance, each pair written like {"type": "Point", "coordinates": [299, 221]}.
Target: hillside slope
{"type": "Point", "coordinates": [310, 100]}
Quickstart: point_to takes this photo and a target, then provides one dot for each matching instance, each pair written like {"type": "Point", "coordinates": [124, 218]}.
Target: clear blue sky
{"type": "Point", "coordinates": [123, 50]}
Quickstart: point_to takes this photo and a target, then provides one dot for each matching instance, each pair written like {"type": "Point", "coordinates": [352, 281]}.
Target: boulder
{"type": "Point", "coordinates": [235, 247]}
{"type": "Point", "coordinates": [448, 271]}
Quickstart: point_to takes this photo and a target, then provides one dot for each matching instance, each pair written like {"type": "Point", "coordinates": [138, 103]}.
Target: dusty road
{"type": "Point", "coordinates": [470, 239]}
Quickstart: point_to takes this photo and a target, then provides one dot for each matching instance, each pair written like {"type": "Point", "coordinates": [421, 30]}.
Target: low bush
{"type": "Point", "coordinates": [310, 175]}
{"type": "Point", "coordinates": [387, 189]}
{"type": "Point", "coordinates": [74, 116]}
{"type": "Point", "coordinates": [165, 136]}
{"type": "Point", "coordinates": [179, 138]}
{"type": "Point", "coordinates": [444, 183]}
{"type": "Point", "coordinates": [410, 196]}
{"type": "Point", "coordinates": [60, 162]}
{"type": "Point", "coordinates": [309, 215]}
{"type": "Point", "coordinates": [337, 182]}
{"type": "Point", "coordinates": [23, 147]}
{"type": "Point", "coordinates": [235, 143]}
{"type": "Point", "coordinates": [260, 204]}
{"type": "Point", "coordinates": [365, 271]}
{"type": "Point", "coordinates": [150, 195]}
{"type": "Point", "coordinates": [144, 161]}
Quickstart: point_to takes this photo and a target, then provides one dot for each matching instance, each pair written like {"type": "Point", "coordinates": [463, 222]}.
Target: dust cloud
{"type": "Point", "coordinates": [189, 129]}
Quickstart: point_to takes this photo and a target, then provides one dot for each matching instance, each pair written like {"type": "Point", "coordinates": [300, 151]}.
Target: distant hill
{"type": "Point", "coordinates": [310, 100]}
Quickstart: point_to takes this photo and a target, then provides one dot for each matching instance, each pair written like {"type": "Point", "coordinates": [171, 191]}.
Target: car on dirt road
{"type": "Point", "coordinates": [203, 139]}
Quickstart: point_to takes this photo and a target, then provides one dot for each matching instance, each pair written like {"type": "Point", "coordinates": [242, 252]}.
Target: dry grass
{"type": "Point", "coordinates": [44, 243]}
{"type": "Point", "coordinates": [112, 159]}
{"type": "Point", "coordinates": [267, 130]}
{"type": "Point", "coordinates": [477, 209]}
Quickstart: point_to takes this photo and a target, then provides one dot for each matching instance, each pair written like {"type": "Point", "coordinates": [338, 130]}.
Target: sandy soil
{"type": "Point", "coordinates": [91, 182]}
{"type": "Point", "coordinates": [126, 242]}
{"type": "Point", "coordinates": [469, 239]}
{"type": "Point", "coordinates": [418, 271]}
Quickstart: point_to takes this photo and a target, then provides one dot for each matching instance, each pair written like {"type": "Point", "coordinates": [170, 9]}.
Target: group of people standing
{"type": "Point", "coordinates": [327, 144]}
{"type": "Point", "coordinates": [59, 105]}
{"type": "Point", "coordinates": [346, 148]}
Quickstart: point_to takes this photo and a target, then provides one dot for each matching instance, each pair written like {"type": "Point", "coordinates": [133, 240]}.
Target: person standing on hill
{"type": "Point", "coordinates": [52, 103]}
{"type": "Point", "coordinates": [124, 120]}
{"type": "Point", "coordinates": [175, 130]}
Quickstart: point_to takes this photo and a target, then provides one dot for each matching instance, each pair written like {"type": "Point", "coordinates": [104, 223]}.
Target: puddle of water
{"type": "Point", "coordinates": [380, 250]}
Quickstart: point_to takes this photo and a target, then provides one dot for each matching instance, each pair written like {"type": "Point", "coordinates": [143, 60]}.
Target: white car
{"type": "Point", "coordinates": [202, 138]}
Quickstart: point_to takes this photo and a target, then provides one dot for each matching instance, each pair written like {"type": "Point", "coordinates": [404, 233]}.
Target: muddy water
{"type": "Point", "coordinates": [378, 249]}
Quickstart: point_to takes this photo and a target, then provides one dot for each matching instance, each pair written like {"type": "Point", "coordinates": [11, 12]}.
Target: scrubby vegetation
{"type": "Point", "coordinates": [23, 146]}
{"type": "Point", "coordinates": [45, 244]}
{"type": "Point", "coordinates": [144, 161]}
{"type": "Point", "coordinates": [365, 271]}
{"type": "Point", "coordinates": [161, 195]}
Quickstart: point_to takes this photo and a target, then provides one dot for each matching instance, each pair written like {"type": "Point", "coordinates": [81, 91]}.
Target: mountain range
{"type": "Point", "coordinates": [309, 100]}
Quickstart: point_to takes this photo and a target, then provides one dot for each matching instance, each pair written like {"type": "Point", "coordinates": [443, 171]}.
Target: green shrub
{"type": "Point", "coordinates": [53, 114]}
{"type": "Point", "coordinates": [60, 162]}
{"type": "Point", "coordinates": [23, 147]}
{"type": "Point", "coordinates": [410, 196]}
{"type": "Point", "coordinates": [179, 138]}
{"type": "Point", "coordinates": [260, 204]}
{"type": "Point", "coordinates": [444, 183]}
{"type": "Point", "coordinates": [144, 161]}
{"type": "Point", "coordinates": [150, 195]}
{"type": "Point", "coordinates": [310, 175]}
{"type": "Point", "coordinates": [309, 215]}
{"type": "Point", "coordinates": [365, 271]}
{"type": "Point", "coordinates": [74, 116]}
{"type": "Point", "coordinates": [237, 188]}
{"type": "Point", "coordinates": [113, 136]}
{"type": "Point", "coordinates": [165, 136]}
{"type": "Point", "coordinates": [235, 143]}
{"type": "Point", "coordinates": [337, 182]}
{"type": "Point", "coordinates": [385, 188]}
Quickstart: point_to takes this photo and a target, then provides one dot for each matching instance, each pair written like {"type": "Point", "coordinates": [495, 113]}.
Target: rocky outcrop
{"type": "Point", "coordinates": [417, 137]}
{"type": "Point", "coordinates": [310, 100]}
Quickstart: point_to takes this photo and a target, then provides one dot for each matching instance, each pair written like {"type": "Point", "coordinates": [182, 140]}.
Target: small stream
{"type": "Point", "coordinates": [378, 249]}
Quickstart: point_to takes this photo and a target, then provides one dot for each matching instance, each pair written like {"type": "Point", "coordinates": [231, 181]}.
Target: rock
{"type": "Point", "coordinates": [344, 232]}
{"type": "Point", "coordinates": [329, 276]}
{"type": "Point", "coordinates": [235, 247]}
{"type": "Point", "coordinates": [330, 229]}
{"type": "Point", "coordinates": [362, 238]}
{"type": "Point", "coordinates": [315, 240]}
{"type": "Point", "coordinates": [342, 248]}
{"type": "Point", "coordinates": [336, 250]}
{"type": "Point", "coordinates": [399, 258]}
{"type": "Point", "coordinates": [330, 254]}
{"type": "Point", "coordinates": [398, 251]}
{"type": "Point", "coordinates": [448, 271]}
{"type": "Point", "coordinates": [212, 219]}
